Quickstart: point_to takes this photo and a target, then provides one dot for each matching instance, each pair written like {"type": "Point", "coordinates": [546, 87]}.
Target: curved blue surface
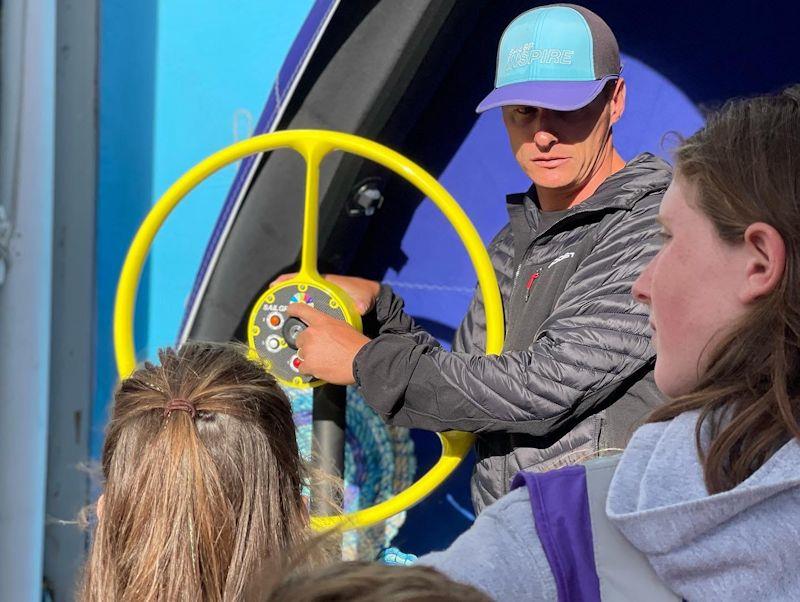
{"type": "Point", "coordinates": [279, 95]}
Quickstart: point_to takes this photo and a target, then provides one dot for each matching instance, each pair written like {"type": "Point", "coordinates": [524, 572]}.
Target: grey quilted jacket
{"type": "Point", "coordinates": [575, 375]}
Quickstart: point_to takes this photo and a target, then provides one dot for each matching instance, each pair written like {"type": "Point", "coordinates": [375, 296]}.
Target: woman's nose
{"type": "Point", "coordinates": [641, 288]}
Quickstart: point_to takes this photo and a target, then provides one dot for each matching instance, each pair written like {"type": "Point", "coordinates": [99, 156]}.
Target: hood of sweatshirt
{"type": "Point", "coordinates": [742, 544]}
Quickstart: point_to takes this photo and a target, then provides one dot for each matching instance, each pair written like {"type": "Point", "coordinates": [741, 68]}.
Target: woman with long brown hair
{"type": "Point", "coordinates": [704, 502]}
{"type": "Point", "coordinates": [202, 480]}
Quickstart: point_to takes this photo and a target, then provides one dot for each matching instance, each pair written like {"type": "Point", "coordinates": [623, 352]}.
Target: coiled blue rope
{"type": "Point", "coordinates": [379, 461]}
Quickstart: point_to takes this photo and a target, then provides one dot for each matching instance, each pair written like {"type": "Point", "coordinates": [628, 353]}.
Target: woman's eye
{"type": "Point", "coordinates": [664, 236]}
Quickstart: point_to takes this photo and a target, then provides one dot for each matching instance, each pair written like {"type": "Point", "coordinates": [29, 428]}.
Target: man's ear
{"type": "Point", "coordinates": [765, 261]}
{"type": "Point", "coordinates": [618, 101]}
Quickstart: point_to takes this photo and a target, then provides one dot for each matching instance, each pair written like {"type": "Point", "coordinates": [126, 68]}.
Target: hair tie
{"type": "Point", "coordinates": [182, 405]}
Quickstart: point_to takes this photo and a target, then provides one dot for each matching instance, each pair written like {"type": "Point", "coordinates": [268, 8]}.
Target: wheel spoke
{"type": "Point", "coordinates": [313, 151]}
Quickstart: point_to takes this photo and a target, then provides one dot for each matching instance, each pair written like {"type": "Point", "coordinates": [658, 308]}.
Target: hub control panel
{"type": "Point", "coordinates": [273, 332]}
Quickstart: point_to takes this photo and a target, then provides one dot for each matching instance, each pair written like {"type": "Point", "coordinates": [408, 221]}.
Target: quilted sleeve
{"type": "Point", "coordinates": [596, 340]}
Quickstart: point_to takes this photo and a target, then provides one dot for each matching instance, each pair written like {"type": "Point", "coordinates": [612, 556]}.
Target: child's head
{"type": "Point", "coordinates": [724, 291]}
{"type": "Point", "coordinates": [202, 479]}
{"type": "Point", "coordinates": [371, 582]}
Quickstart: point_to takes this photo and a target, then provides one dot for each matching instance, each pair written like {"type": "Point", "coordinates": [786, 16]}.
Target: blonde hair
{"type": "Point", "coordinates": [360, 581]}
{"type": "Point", "coordinates": [745, 167]}
{"type": "Point", "coordinates": [202, 480]}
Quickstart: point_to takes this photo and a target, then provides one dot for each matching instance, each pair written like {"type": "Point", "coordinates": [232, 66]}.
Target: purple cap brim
{"type": "Point", "coordinates": [558, 96]}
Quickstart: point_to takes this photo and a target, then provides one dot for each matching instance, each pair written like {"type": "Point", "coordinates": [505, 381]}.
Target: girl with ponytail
{"type": "Point", "coordinates": [202, 480]}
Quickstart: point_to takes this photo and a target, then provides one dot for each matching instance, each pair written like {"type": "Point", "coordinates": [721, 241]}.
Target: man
{"type": "Point", "coordinates": [575, 373]}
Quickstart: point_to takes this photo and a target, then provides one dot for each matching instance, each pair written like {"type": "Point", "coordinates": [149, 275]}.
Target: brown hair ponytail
{"type": "Point", "coordinates": [745, 167]}
{"type": "Point", "coordinates": [203, 480]}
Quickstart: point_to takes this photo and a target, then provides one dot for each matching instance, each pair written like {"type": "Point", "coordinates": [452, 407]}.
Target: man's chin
{"type": "Point", "coordinates": [551, 179]}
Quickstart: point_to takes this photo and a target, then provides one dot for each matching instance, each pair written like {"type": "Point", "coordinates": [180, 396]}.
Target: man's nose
{"type": "Point", "coordinates": [544, 139]}
{"type": "Point", "coordinates": [544, 134]}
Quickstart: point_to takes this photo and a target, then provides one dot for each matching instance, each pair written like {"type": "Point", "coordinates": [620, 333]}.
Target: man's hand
{"type": "Point", "coordinates": [363, 292]}
{"type": "Point", "coordinates": [327, 347]}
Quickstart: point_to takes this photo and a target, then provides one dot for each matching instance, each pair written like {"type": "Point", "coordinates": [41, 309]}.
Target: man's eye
{"type": "Point", "coordinates": [522, 110]}
{"type": "Point", "coordinates": [664, 235]}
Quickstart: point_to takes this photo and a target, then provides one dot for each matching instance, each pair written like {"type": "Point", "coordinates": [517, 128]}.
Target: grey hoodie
{"type": "Point", "coordinates": [743, 544]}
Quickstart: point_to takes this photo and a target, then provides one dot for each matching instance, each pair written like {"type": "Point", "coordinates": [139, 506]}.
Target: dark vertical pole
{"type": "Point", "coordinates": [328, 417]}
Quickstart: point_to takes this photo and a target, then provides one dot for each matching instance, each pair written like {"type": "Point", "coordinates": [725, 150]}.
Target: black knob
{"type": "Point", "coordinates": [292, 329]}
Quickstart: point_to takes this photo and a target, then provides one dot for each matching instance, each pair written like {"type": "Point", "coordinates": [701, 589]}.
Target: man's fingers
{"type": "Point", "coordinates": [305, 312]}
{"type": "Point", "coordinates": [302, 342]}
{"type": "Point", "coordinates": [302, 369]}
{"type": "Point", "coordinates": [282, 278]}
{"type": "Point", "coordinates": [301, 339]}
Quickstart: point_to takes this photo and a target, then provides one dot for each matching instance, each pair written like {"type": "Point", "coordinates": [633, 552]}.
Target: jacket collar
{"type": "Point", "coordinates": [642, 175]}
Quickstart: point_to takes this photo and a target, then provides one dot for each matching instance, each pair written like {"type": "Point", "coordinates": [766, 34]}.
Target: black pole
{"type": "Point", "coordinates": [328, 416]}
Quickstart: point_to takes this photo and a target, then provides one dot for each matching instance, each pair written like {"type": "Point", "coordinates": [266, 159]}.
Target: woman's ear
{"type": "Point", "coordinates": [765, 261]}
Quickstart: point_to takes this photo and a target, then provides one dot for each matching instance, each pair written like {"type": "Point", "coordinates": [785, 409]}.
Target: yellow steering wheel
{"type": "Point", "coordinates": [314, 145]}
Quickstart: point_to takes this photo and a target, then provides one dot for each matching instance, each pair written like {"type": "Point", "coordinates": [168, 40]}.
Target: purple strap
{"type": "Point", "coordinates": [560, 505]}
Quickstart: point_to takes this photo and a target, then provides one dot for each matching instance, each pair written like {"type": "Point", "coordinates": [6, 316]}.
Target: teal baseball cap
{"type": "Point", "coordinates": [556, 57]}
